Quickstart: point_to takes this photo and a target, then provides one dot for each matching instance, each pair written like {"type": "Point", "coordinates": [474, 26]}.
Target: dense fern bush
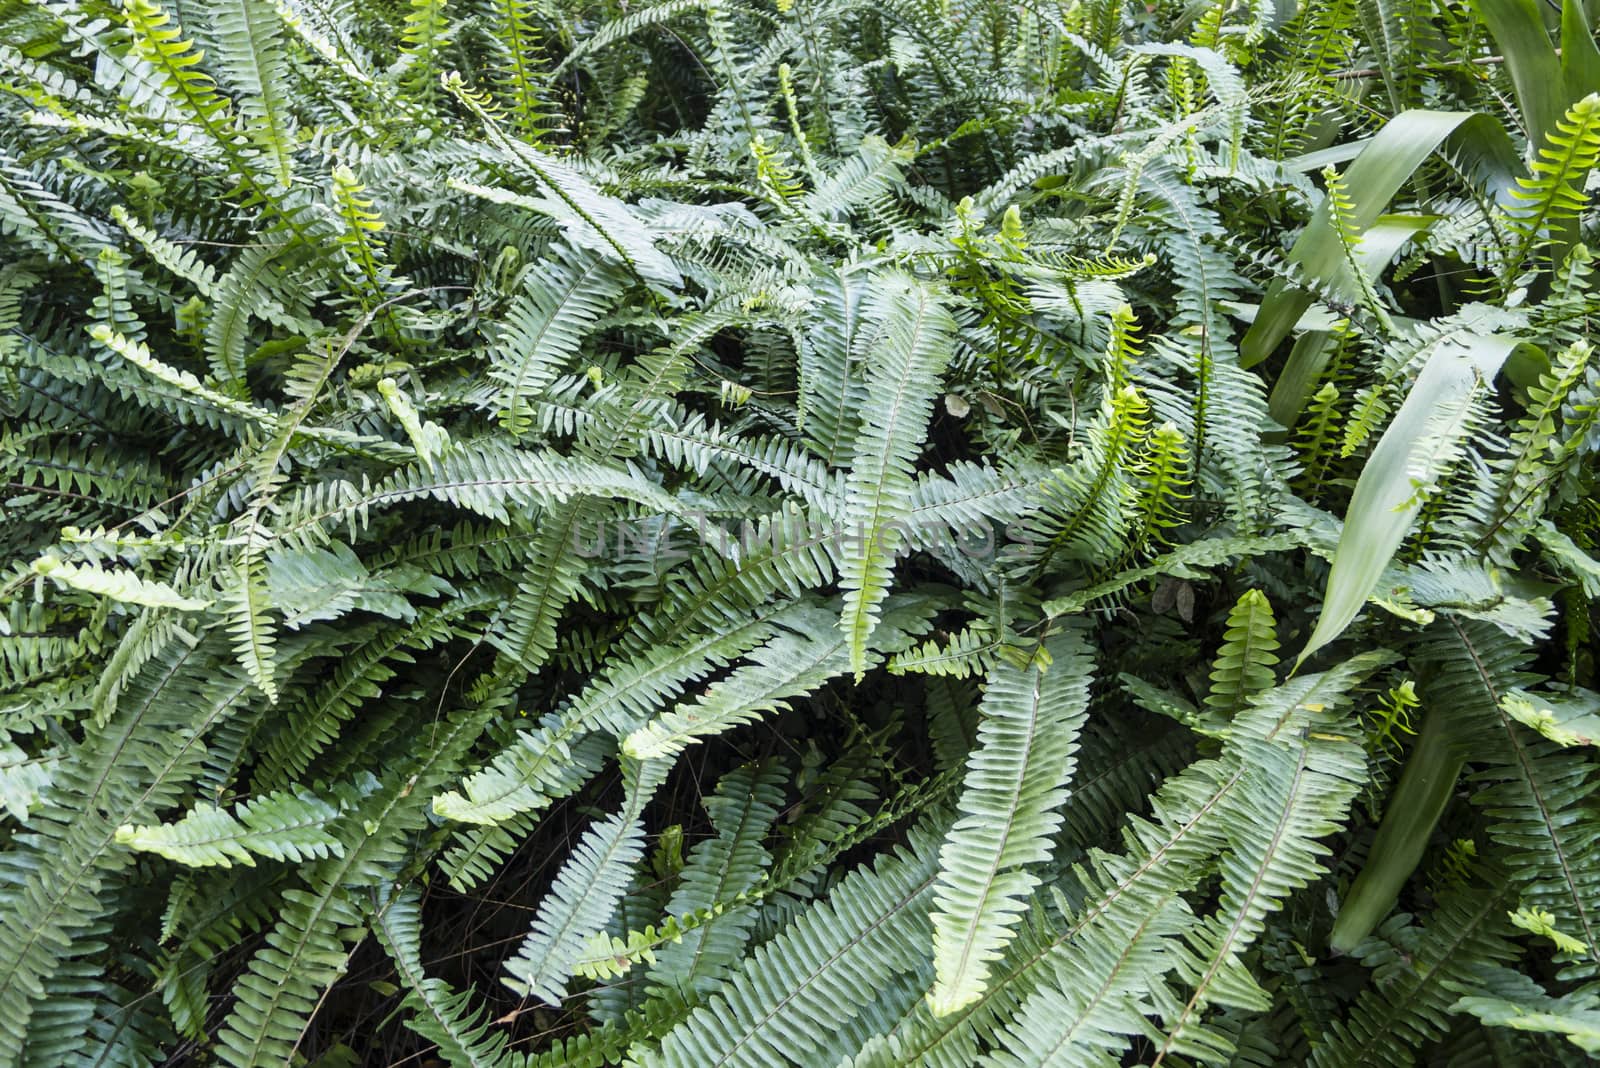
{"type": "Point", "coordinates": [828, 533]}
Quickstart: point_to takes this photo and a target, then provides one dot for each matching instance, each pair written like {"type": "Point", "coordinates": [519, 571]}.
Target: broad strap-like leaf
{"type": "Point", "coordinates": [1403, 468]}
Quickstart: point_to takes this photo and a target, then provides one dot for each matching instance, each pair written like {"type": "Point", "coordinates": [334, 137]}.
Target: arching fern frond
{"type": "Point", "coordinates": [1016, 781]}
{"type": "Point", "coordinates": [277, 826]}
{"type": "Point", "coordinates": [916, 337]}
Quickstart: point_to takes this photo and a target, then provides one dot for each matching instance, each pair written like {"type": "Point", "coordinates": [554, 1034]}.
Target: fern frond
{"type": "Point", "coordinates": [591, 218]}
{"type": "Point", "coordinates": [828, 964]}
{"type": "Point", "coordinates": [791, 665]}
{"type": "Point", "coordinates": [562, 297]}
{"type": "Point", "coordinates": [585, 891]}
{"type": "Point", "coordinates": [1553, 196]}
{"type": "Point", "coordinates": [277, 826]}
{"type": "Point", "coordinates": [117, 585]}
{"type": "Point", "coordinates": [464, 1037]}
{"type": "Point", "coordinates": [1244, 664]}
{"type": "Point", "coordinates": [1016, 781]}
{"type": "Point", "coordinates": [309, 946]}
{"type": "Point", "coordinates": [1539, 796]}
{"type": "Point", "coordinates": [718, 870]}
{"type": "Point", "coordinates": [1138, 891]}
{"type": "Point", "coordinates": [1295, 798]}
{"type": "Point", "coordinates": [1416, 975]}
{"type": "Point", "coordinates": [250, 624]}
{"type": "Point", "coordinates": [899, 399]}
{"type": "Point", "coordinates": [251, 57]}
{"type": "Point", "coordinates": [520, 77]}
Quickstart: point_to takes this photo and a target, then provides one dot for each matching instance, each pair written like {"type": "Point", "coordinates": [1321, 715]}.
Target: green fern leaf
{"type": "Point", "coordinates": [901, 383]}
{"type": "Point", "coordinates": [586, 890]}
{"type": "Point", "coordinates": [791, 665]}
{"type": "Point", "coordinates": [1244, 664]}
{"type": "Point", "coordinates": [1016, 782]}
{"type": "Point", "coordinates": [250, 55]}
{"type": "Point", "coordinates": [117, 585]}
{"type": "Point", "coordinates": [561, 299]}
{"type": "Point", "coordinates": [718, 870]}
{"type": "Point", "coordinates": [464, 1037]}
{"type": "Point", "coordinates": [828, 965]}
{"type": "Point", "coordinates": [278, 826]}
{"type": "Point", "coordinates": [1554, 196]}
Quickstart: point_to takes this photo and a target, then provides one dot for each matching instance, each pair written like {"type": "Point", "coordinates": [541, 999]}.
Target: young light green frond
{"type": "Point", "coordinates": [1244, 663]}
{"type": "Point", "coordinates": [185, 263]}
{"type": "Point", "coordinates": [139, 354]}
{"type": "Point", "coordinates": [1553, 198]}
{"type": "Point", "coordinates": [429, 439]}
{"type": "Point", "coordinates": [277, 826]}
{"type": "Point", "coordinates": [359, 228]}
{"type": "Point", "coordinates": [118, 585]}
{"type": "Point", "coordinates": [1540, 443]}
{"type": "Point", "coordinates": [1082, 511]}
{"type": "Point", "coordinates": [526, 68]}
{"type": "Point", "coordinates": [426, 31]}
{"type": "Point", "coordinates": [1164, 482]}
{"type": "Point", "coordinates": [970, 651]}
{"type": "Point", "coordinates": [161, 44]}
{"type": "Point", "coordinates": [1015, 784]}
